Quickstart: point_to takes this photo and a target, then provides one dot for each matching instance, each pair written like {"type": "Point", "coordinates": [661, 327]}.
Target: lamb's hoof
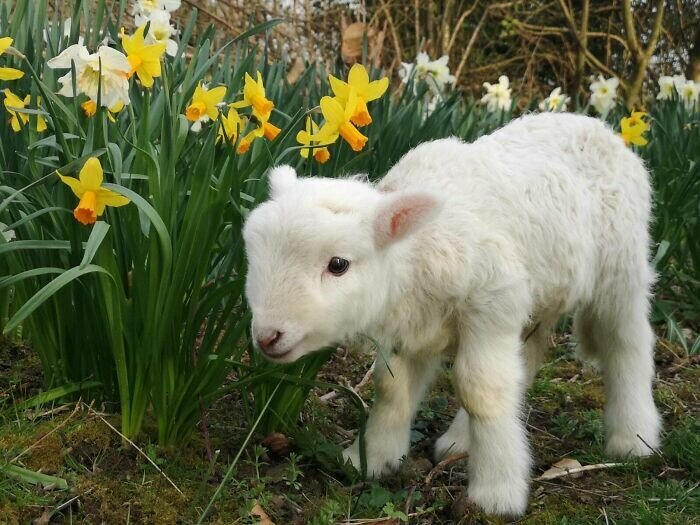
{"type": "Point", "coordinates": [377, 465]}
{"type": "Point", "coordinates": [508, 500]}
{"type": "Point", "coordinates": [449, 445]}
{"type": "Point", "coordinates": [625, 445]}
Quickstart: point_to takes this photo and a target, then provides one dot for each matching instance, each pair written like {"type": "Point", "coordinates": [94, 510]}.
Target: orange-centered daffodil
{"type": "Point", "coordinates": [231, 126]}
{"type": "Point", "coordinates": [304, 137]}
{"type": "Point", "coordinates": [17, 119]}
{"type": "Point", "coordinates": [93, 197]}
{"type": "Point", "coordinates": [632, 128]}
{"type": "Point", "coordinates": [204, 105]}
{"type": "Point", "coordinates": [338, 123]}
{"type": "Point", "coordinates": [144, 59]}
{"type": "Point", "coordinates": [8, 73]}
{"type": "Point", "coordinates": [366, 91]}
{"type": "Point", "coordinates": [254, 95]}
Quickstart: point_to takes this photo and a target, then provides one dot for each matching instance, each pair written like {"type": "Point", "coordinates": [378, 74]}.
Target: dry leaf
{"type": "Point", "coordinates": [263, 518]}
{"type": "Point", "coordinates": [563, 465]}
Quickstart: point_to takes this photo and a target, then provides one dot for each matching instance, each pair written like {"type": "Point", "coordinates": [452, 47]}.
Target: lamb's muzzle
{"type": "Point", "coordinates": [458, 251]}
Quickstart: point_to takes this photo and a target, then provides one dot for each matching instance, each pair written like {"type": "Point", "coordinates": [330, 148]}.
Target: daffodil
{"type": "Point", "coordinates": [304, 137]}
{"type": "Point", "coordinates": [666, 88]}
{"type": "Point", "coordinates": [366, 91]}
{"type": "Point", "coordinates": [144, 58]}
{"type": "Point", "coordinates": [205, 105]}
{"type": "Point", "coordinates": [93, 197]}
{"type": "Point", "coordinates": [435, 72]}
{"type": "Point", "coordinates": [17, 119]}
{"type": "Point", "coordinates": [689, 93]}
{"type": "Point", "coordinates": [8, 73]}
{"type": "Point", "coordinates": [604, 94]}
{"type": "Point", "coordinates": [90, 109]}
{"type": "Point", "coordinates": [556, 101]}
{"type": "Point", "coordinates": [254, 95]}
{"type": "Point", "coordinates": [107, 70]}
{"type": "Point", "coordinates": [146, 7]}
{"type": "Point", "coordinates": [231, 126]}
{"type": "Point", "coordinates": [160, 30]}
{"type": "Point", "coordinates": [497, 96]}
{"type": "Point", "coordinates": [632, 128]}
{"type": "Point", "coordinates": [338, 123]}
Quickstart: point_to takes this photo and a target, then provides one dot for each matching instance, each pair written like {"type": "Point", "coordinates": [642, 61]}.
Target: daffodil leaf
{"type": "Point", "coordinates": [34, 245]}
{"type": "Point", "coordinates": [12, 279]}
{"type": "Point", "coordinates": [38, 213]}
{"type": "Point", "coordinates": [57, 393]}
{"type": "Point", "coordinates": [36, 300]}
{"type": "Point", "coordinates": [97, 235]}
{"type": "Point", "coordinates": [34, 478]}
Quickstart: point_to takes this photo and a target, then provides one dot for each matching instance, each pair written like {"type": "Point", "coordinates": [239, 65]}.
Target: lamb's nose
{"type": "Point", "coordinates": [267, 340]}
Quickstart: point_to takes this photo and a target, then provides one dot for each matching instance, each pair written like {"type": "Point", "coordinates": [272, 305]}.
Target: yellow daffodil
{"type": "Point", "coordinates": [231, 126]}
{"type": "Point", "coordinates": [338, 123]}
{"type": "Point", "coordinates": [632, 128]}
{"type": "Point", "coordinates": [93, 197]}
{"type": "Point", "coordinates": [8, 73]}
{"type": "Point", "coordinates": [204, 105]}
{"type": "Point", "coordinates": [366, 91]}
{"type": "Point", "coordinates": [254, 95]}
{"type": "Point", "coordinates": [304, 137]}
{"type": "Point", "coordinates": [144, 58]}
{"type": "Point", "coordinates": [17, 119]}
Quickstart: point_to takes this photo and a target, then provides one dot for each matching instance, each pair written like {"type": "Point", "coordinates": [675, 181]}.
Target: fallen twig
{"type": "Point", "coordinates": [57, 427]}
{"type": "Point", "coordinates": [441, 465]}
{"type": "Point", "coordinates": [90, 409]}
{"type": "Point", "coordinates": [568, 472]}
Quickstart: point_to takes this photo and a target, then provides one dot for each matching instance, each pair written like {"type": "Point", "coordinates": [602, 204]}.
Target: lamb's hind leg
{"type": "Point", "coordinates": [456, 439]}
{"type": "Point", "coordinates": [617, 334]}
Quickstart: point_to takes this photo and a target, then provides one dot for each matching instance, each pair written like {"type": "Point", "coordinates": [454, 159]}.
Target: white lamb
{"type": "Point", "coordinates": [461, 250]}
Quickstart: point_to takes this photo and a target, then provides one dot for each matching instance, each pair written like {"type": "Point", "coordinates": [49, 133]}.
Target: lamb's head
{"type": "Point", "coordinates": [323, 256]}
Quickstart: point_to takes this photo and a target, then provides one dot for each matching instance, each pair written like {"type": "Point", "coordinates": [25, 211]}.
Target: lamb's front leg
{"type": "Point", "coordinates": [490, 381]}
{"type": "Point", "coordinates": [400, 386]}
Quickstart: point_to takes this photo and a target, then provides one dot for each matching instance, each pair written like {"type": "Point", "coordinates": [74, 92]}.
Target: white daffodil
{"type": "Point", "coordinates": [435, 72]}
{"type": "Point", "coordinates": [604, 94]}
{"type": "Point", "coordinates": [556, 101]}
{"type": "Point", "coordinates": [146, 7]}
{"type": "Point", "coordinates": [112, 64]}
{"type": "Point", "coordinates": [678, 81]}
{"type": "Point", "coordinates": [689, 93]}
{"type": "Point", "coordinates": [160, 31]}
{"type": "Point", "coordinates": [8, 235]}
{"type": "Point", "coordinates": [667, 86]}
{"type": "Point", "coordinates": [497, 96]}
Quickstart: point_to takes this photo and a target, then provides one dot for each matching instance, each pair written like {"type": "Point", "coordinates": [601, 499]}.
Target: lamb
{"type": "Point", "coordinates": [470, 252]}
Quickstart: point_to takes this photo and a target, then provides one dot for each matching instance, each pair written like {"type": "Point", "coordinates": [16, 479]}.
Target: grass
{"type": "Point", "coordinates": [112, 483]}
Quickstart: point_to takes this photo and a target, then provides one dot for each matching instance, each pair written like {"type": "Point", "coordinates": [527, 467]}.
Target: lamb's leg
{"type": "Point", "coordinates": [490, 380]}
{"type": "Point", "coordinates": [400, 385]}
{"type": "Point", "coordinates": [622, 342]}
{"type": "Point", "coordinates": [456, 439]}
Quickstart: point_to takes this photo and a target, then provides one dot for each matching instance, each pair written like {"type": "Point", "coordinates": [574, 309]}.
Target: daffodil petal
{"type": "Point", "coordinates": [111, 198]}
{"type": "Point", "coordinates": [5, 42]}
{"type": "Point", "coordinates": [340, 89]}
{"type": "Point", "coordinates": [10, 73]}
{"type": "Point", "coordinates": [91, 175]}
{"type": "Point", "coordinates": [376, 89]}
{"type": "Point", "coordinates": [358, 77]}
{"type": "Point", "coordinates": [332, 111]}
{"type": "Point", "coordinates": [74, 184]}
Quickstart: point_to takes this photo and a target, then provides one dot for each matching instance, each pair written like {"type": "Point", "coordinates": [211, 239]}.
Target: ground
{"type": "Point", "coordinates": [296, 478]}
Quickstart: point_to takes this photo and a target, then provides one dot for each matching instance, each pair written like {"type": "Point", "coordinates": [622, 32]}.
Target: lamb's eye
{"type": "Point", "coordinates": [338, 265]}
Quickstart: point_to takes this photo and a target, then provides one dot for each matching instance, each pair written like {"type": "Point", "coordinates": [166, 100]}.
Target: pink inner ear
{"type": "Point", "coordinates": [399, 220]}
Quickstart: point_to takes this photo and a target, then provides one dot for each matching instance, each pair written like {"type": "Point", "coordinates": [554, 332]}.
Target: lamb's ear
{"type": "Point", "coordinates": [281, 179]}
{"type": "Point", "coordinates": [400, 214]}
